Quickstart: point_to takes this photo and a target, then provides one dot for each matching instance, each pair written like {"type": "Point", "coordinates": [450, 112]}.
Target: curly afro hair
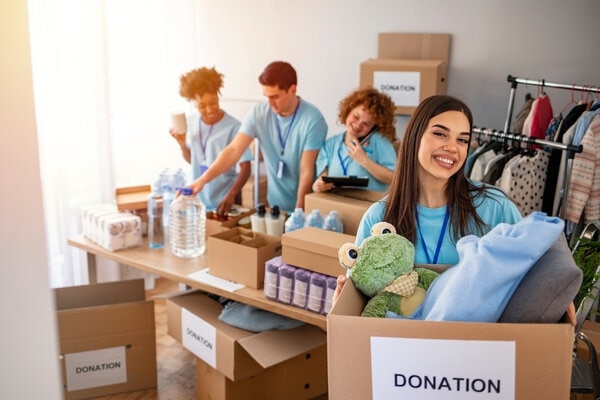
{"type": "Point", "coordinates": [379, 104]}
{"type": "Point", "coordinates": [199, 81]}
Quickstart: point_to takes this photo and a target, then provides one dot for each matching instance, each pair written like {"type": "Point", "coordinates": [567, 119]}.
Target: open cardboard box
{"type": "Point", "coordinates": [240, 254]}
{"type": "Point", "coordinates": [107, 338]}
{"type": "Point", "coordinates": [213, 225]}
{"type": "Point", "coordinates": [314, 249]}
{"type": "Point", "coordinates": [385, 358]}
{"type": "Point", "coordinates": [350, 204]}
{"type": "Point", "coordinates": [193, 319]}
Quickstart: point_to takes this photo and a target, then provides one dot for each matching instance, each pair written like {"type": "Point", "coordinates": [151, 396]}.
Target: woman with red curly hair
{"type": "Point", "coordinates": [366, 147]}
{"type": "Point", "coordinates": [208, 131]}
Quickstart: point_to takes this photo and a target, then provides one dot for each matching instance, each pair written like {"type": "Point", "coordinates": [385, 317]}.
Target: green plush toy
{"type": "Point", "coordinates": [383, 269]}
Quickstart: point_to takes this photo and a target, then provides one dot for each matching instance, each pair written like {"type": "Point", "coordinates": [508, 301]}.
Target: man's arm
{"type": "Point", "coordinates": [229, 157]}
{"type": "Point", "coordinates": [307, 172]}
{"type": "Point", "coordinates": [226, 203]}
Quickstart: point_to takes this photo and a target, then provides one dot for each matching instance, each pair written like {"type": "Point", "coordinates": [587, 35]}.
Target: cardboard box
{"type": "Point", "coordinates": [314, 249]}
{"type": "Point", "coordinates": [107, 339]}
{"type": "Point", "coordinates": [213, 225]}
{"type": "Point", "coordinates": [240, 254]}
{"type": "Point", "coordinates": [132, 198]}
{"type": "Point", "coordinates": [407, 82]}
{"type": "Point", "coordinates": [414, 46]}
{"type": "Point", "coordinates": [350, 204]}
{"type": "Point", "coordinates": [302, 377]}
{"type": "Point", "coordinates": [434, 360]}
{"type": "Point", "coordinates": [193, 320]}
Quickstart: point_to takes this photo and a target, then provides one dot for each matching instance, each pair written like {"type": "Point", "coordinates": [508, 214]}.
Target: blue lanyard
{"type": "Point", "coordinates": [440, 239]}
{"type": "Point", "coordinates": [283, 140]}
{"type": "Point", "coordinates": [341, 159]}
{"type": "Point", "coordinates": [203, 145]}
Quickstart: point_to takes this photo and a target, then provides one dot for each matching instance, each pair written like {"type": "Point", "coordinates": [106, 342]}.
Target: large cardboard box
{"type": "Point", "coordinates": [443, 360]}
{"type": "Point", "coordinates": [407, 82]}
{"type": "Point", "coordinates": [299, 378]}
{"type": "Point", "coordinates": [248, 191]}
{"type": "Point", "coordinates": [107, 339]}
{"type": "Point", "coordinates": [193, 319]}
{"type": "Point", "coordinates": [239, 255]}
{"type": "Point", "coordinates": [350, 204]}
{"type": "Point", "coordinates": [314, 249]}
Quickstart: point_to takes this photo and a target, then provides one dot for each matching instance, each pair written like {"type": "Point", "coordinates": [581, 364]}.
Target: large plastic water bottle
{"type": "Point", "coordinates": [314, 219]}
{"type": "Point", "coordinates": [295, 220]}
{"type": "Point", "coordinates": [156, 235]}
{"type": "Point", "coordinates": [187, 224]}
{"type": "Point", "coordinates": [333, 222]}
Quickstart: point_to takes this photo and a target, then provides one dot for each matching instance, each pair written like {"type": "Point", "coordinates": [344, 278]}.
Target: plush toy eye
{"type": "Point", "coordinates": [347, 255]}
{"type": "Point", "coordinates": [382, 227]}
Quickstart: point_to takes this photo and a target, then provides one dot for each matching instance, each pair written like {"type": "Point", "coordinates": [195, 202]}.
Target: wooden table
{"type": "Point", "coordinates": [163, 263]}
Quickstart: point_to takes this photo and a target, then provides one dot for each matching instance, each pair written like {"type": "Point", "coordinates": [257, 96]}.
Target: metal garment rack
{"type": "Point", "coordinates": [507, 137]}
{"type": "Point", "coordinates": [515, 82]}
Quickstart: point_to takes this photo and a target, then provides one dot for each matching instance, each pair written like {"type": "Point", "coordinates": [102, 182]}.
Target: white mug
{"type": "Point", "coordinates": [179, 122]}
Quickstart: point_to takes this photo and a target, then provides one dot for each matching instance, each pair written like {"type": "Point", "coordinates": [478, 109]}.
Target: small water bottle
{"type": "Point", "coordinates": [333, 222]}
{"type": "Point", "coordinates": [168, 196]}
{"type": "Point", "coordinates": [156, 236]}
{"type": "Point", "coordinates": [295, 221]}
{"type": "Point", "coordinates": [314, 219]}
{"type": "Point", "coordinates": [187, 225]}
{"type": "Point", "coordinates": [257, 219]}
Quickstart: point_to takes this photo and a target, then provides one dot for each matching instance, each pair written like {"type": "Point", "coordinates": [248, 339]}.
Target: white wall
{"type": "Point", "coordinates": [28, 340]}
{"type": "Point", "coordinates": [326, 40]}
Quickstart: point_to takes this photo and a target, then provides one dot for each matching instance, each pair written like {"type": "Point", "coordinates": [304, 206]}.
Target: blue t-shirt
{"type": "Point", "coordinates": [205, 143]}
{"type": "Point", "coordinates": [493, 208]}
{"type": "Point", "coordinates": [334, 157]}
{"type": "Point", "coordinates": [285, 138]}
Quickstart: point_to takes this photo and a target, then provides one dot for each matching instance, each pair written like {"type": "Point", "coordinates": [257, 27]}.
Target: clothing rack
{"type": "Point", "coordinates": [516, 137]}
{"type": "Point", "coordinates": [543, 83]}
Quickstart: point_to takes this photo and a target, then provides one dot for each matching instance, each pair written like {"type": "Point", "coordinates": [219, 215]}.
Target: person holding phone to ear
{"type": "Point", "coordinates": [366, 147]}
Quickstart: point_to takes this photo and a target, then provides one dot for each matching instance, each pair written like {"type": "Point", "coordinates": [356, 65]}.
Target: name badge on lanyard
{"type": "Point", "coordinates": [283, 141]}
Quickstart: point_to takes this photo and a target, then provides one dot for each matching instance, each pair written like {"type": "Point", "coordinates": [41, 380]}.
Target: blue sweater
{"type": "Point", "coordinates": [478, 288]}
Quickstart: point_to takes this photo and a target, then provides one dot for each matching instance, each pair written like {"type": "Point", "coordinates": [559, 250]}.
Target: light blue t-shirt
{"type": "Point", "coordinates": [285, 138]}
{"type": "Point", "coordinates": [494, 208]}
{"type": "Point", "coordinates": [334, 157]}
{"type": "Point", "coordinates": [205, 143]}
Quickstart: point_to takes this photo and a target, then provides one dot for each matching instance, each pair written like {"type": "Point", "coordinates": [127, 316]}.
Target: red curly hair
{"type": "Point", "coordinates": [199, 81]}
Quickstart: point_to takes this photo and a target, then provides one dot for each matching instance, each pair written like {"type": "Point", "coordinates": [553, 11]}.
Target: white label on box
{"type": "Point", "coordinates": [436, 369]}
{"type": "Point", "coordinates": [403, 87]}
{"type": "Point", "coordinates": [199, 337]}
{"type": "Point", "coordinates": [94, 368]}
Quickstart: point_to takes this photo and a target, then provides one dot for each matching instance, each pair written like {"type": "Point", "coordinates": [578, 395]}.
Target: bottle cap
{"type": "Point", "coordinates": [261, 209]}
{"type": "Point", "coordinates": [275, 211]}
{"type": "Point", "coordinates": [186, 191]}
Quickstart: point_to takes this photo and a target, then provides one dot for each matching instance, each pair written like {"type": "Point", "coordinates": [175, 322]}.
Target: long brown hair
{"type": "Point", "coordinates": [461, 193]}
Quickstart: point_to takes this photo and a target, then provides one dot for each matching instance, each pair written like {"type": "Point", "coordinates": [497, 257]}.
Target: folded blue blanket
{"type": "Point", "coordinates": [489, 270]}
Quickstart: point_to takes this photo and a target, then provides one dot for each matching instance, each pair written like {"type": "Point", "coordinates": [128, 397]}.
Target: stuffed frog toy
{"type": "Point", "coordinates": [383, 269]}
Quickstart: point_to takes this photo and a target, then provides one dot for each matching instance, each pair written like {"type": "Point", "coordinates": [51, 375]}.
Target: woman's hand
{"type": "Point", "coordinates": [341, 281]}
{"type": "Point", "coordinates": [179, 136]}
{"type": "Point", "coordinates": [321, 186]}
{"type": "Point", "coordinates": [357, 153]}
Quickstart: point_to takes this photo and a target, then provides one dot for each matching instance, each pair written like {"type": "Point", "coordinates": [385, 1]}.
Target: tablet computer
{"type": "Point", "coordinates": [347, 180]}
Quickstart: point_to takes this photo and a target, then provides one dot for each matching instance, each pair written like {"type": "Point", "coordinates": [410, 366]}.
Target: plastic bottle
{"type": "Point", "coordinates": [333, 222]}
{"type": "Point", "coordinates": [295, 221]}
{"type": "Point", "coordinates": [330, 289]}
{"type": "Point", "coordinates": [286, 283]}
{"type": "Point", "coordinates": [168, 196]}
{"type": "Point", "coordinates": [275, 222]}
{"type": "Point", "coordinates": [187, 225]}
{"type": "Point", "coordinates": [156, 233]}
{"type": "Point", "coordinates": [257, 220]}
{"type": "Point", "coordinates": [314, 219]}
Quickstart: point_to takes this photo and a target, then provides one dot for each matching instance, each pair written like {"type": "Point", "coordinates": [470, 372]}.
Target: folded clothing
{"type": "Point", "coordinates": [253, 319]}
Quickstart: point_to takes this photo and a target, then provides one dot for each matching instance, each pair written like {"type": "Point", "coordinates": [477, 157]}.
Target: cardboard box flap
{"type": "Point", "coordinates": [100, 294]}
{"type": "Point", "coordinates": [274, 346]}
{"type": "Point", "coordinates": [321, 241]}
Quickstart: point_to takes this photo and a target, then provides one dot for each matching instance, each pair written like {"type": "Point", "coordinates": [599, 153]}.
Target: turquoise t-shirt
{"type": "Point", "coordinates": [494, 208]}
{"type": "Point", "coordinates": [205, 143]}
{"type": "Point", "coordinates": [284, 139]}
{"type": "Point", "coordinates": [334, 157]}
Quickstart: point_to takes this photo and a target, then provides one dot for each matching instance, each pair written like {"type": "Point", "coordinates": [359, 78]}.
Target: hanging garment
{"type": "Point", "coordinates": [539, 118]}
{"type": "Point", "coordinates": [584, 184]}
{"type": "Point", "coordinates": [517, 125]}
{"type": "Point", "coordinates": [526, 179]}
{"type": "Point", "coordinates": [554, 179]}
